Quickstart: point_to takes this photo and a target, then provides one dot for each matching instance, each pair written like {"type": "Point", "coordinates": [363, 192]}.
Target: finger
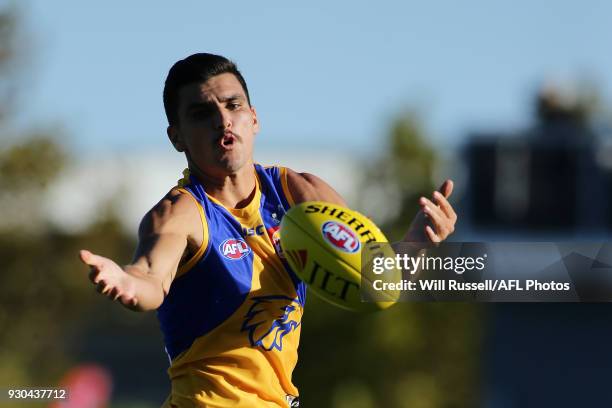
{"type": "Point", "coordinates": [447, 188]}
{"type": "Point", "coordinates": [427, 203]}
{"type": "Point", "coordinates": [102, 287]}
{"type": "Point", "coordinates": [433, 237]}
{"type": "Point", "coordinates": [447, 216]}
{"type": "Point", "coordinates": [107, 290]}
{"type": "Point", "coordinates": [445, 206]}
{"type": "Point", "coordinates": [84, 255]}
{"type": "Point", "coordinates": [438, 219]}
{"type": "Point", "coordinates": [128, 300]}
{"type": "Point", "coordinates": [90, 259]}
{"type": "Point", "coordinates": [94, 272]}
{"type": "Point", "coordinates": [114, 294]}
{"type": "Point", "coordinates": [424, 202]}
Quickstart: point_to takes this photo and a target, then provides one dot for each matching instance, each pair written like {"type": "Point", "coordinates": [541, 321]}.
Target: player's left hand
{"type": "Point", "coordinates": [436, 219]}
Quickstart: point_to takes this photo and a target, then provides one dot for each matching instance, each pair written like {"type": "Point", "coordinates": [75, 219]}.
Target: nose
{"type": "Point", "coordinates": [224, 120]}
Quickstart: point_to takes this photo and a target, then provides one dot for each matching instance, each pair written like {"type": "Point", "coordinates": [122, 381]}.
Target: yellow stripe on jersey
{"type": "Point", "coordinates": [202, 249]}
{"type": "Point", "coordinates": [285, 185]}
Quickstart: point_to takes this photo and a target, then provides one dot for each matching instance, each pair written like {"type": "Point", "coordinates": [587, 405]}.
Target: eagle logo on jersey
{"type": "Point", "coordinates": [270, 318]}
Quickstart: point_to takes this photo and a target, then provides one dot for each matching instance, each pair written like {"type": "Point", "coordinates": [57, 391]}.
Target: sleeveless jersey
{"type": "Point", "coordinates": [231, 319]}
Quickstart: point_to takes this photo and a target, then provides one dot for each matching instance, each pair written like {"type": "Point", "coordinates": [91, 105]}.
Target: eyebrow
{"type": "Point", "coordinates": [206, 104]}
{"type": "Point", "coordinates": [232, 98]}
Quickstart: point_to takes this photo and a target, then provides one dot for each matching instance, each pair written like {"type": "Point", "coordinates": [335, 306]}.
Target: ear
{"type": "Point", "coordinates": [174, 135]}
{"type": "Point", "coordinates": [255, 120]}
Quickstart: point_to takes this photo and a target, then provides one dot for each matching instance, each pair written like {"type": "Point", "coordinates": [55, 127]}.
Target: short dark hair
{"type": "Point", "coordinates": [196, 68]}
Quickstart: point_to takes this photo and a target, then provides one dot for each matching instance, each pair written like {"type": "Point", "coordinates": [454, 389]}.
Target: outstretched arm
{"type": "Point", "coordinates": [166, 232]}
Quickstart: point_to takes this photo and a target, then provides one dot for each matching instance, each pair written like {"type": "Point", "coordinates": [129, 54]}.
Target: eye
{"type": "Point", "coordinates": [233, 105]}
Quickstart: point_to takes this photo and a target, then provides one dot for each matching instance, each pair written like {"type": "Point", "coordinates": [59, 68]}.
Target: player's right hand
{"type": "Point", "coordinates": [110, 280]}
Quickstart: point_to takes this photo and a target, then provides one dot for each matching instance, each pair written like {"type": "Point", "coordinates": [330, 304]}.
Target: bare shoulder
{"type": "Point", "coordinates": [308, 187]}
{"type": "Point", "coordinates": [176, 213]}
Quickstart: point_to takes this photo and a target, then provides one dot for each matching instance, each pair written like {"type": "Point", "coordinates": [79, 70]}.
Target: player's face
{"type": "Point", "coordinates": [216, 126]}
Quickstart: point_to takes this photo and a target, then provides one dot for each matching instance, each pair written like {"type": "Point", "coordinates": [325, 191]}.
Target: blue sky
{"type": "Point", "coordinates": [320, 73]}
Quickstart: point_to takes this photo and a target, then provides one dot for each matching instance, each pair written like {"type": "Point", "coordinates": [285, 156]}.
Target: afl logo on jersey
{"type": "Point", "coordinates": [234, 249]}
{"type": "Point", "coordinates": [340, 236]}
{"type": "Point", "coordinates": [274, 234]}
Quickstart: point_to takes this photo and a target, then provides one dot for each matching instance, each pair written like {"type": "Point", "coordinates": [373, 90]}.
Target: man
{"type": "Point", "coordinates": [207, 257]}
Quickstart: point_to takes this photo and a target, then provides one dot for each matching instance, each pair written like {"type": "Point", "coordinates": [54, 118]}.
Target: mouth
{"type": "Point", "coordinates": [228, 141]}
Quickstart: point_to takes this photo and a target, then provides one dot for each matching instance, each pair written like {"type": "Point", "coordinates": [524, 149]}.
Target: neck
{"type": "Point", "coordinates": [233, 190]}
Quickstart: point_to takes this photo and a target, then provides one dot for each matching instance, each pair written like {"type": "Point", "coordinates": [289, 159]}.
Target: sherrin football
{"type": "Point", "coordinates": [323, 244]}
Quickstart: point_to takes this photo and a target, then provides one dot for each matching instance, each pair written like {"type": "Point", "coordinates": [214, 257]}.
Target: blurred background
{"type": "Point", "coordinates": [385, 101]}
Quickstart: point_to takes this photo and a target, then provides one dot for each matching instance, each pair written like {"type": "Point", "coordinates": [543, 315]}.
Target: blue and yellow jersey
{"type": "Point", "coordinates": [231, 319]}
